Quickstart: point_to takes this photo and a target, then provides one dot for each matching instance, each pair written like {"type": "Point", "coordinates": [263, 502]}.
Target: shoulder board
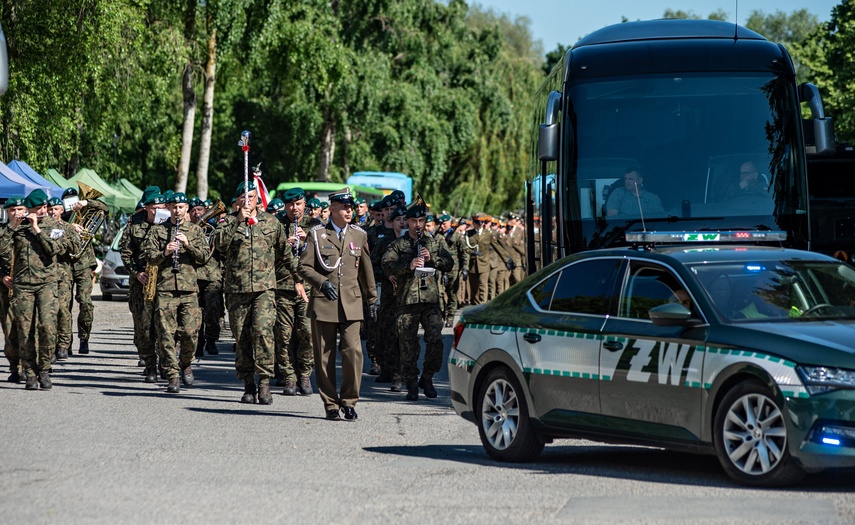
{"type": "Point", "coordinates": [318, 227]}
{"type": "Point", "coordinates": [357, 228]}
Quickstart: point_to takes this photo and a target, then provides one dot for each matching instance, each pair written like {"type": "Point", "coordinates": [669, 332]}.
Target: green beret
{"type": "Point", "coordinates": [154, 198]}
{"type": "Point", "coordinates": [294, 194]}
{"type": "Point", "coordinates": [374, 205]}
{"type": "Point", "coordinates": [54, 201]}
{"type": "Point", "coordinates": [196, 201]}
{"type": "Point", "coordinates": [177, 197]}
{"type": "Point", "coordinates": [208, 203]}
{"type": "Point", "coordinates": [444, 217]}
{"type": "Point", "coordinates": [150, 190]}
{"type": "Point", "coordinates": [167, 195]}
{"type": "Point", "coordinates": [140, 204]}
{"type": "Point", "coordinates": [399, 211]}
{"type": "Point", "coordinates": [241, 188]}
{"type": "Point", "coordinates": [69, 191]}
{"type": "Point", "coordinates": [275, 205]}
{"type": "Point", "coordinates": [359, 200]}
{"type": "Point", "coordinates": [11, 202]}
{"type": "Point", "coordinates": [324, 205]}
{"type": "Point", "coordinates": [416, 211]}
{"type": "Point", "coordinates": [313, 203]}
{"type": "Point", "coordinates": [430, 218]}
{"type": "Point", "coordinates": [36, 198]}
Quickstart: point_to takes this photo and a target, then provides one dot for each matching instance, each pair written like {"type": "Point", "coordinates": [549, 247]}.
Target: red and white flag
{"type": "Point", "coordinates": [263, 196]}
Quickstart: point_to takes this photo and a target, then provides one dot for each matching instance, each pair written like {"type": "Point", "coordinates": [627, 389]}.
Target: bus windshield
{"type": "Point", "coordinates": [703, 149]}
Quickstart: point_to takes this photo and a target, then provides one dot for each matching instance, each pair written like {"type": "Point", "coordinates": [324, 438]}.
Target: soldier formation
{"type": "Point", "coordinates": [301, 280]}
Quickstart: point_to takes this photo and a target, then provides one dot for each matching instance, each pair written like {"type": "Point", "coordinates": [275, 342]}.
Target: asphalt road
{"type": "Point", "coordinates": [104, 447]}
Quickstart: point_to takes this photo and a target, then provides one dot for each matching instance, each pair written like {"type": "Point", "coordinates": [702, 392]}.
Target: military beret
{"type": "Point", "coordinates": [388, 202]}
{"type": "Point", "coordinates": [324, 205]}
{"type": "Point", "coordinates": [196, 201]}
{"type": "Point", "coordinates": [444, 217]}
{"type": "Point", "coordinates": [150, 190]}
{"type": "Point", "coordinates": [274, 205]}
{"type": "Point", "coordinates": [241, 188]}
{"type": "Point", "coordinates": [293, 194]}
{"type": "Point", "coordinates": [374, 205]}
{"type": "Point", "coordinates": [398, 194]}
{"type": "Point", "coordinates": [69, 191]}
{"type": "Point", "coordinates": [54, 201]}
{"type": "Point", "coordinates": [208, 203]}
{"type": "Point", "coordinates": [359, 200]}
{"type": "Point", "coordinates": [313, 203]}
{"type": "Point", "coordinates": [154, 198]}
{"type": "Point", "coordinates": [416, 212]}
{"type": "Point", "coordinates": [11, 202]}
{"type": "Point", "coordinates": [343, 196]}
{"type": "Point", "coordinates": [177, 197]}
{"type": "Point", "coordinates": [36, 198]}
{"type": "Point", "coordinates": [399, 211]}
{"type": "Point", "coordinates": [430, 218]}
{"type": "Point", "coordinates": [140, 204]}
{"type": "Point", "coordinates": [167, 195]}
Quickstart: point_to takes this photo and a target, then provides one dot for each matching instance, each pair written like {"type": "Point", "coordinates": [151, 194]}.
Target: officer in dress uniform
{"type": "Point", "coordinates": [414, 260]}
{"type": "Point", "coordinates": [336, 265]}
{"type": "Point", "coordinates": [294, 353]}
{"type": "Point", "coordinates": [15, 210]}
{"type": "Point", "coordinates": [516, 238]}
{"type": "Point", "coordinates": [460, 255]}
{"type": "Point", "coordinates": [250, 242]}
{"type": "Point", "coordinates": [177, 247]}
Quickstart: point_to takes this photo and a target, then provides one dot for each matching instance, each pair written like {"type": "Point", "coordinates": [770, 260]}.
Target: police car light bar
{"type": "Point", "coordinates": [703, 237]}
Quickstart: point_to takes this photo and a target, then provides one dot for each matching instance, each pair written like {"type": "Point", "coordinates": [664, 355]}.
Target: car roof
{"type": "Point", "coordinates": [692, 254]}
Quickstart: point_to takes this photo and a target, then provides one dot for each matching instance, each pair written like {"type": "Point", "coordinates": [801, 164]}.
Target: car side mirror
{"type": "Point", "coordinates": [670, 314]}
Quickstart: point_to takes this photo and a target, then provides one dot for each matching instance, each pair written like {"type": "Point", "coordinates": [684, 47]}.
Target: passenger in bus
{"type": "Point", "coordinates": [750, 182]}
{"type": "Point", "coordinates": [626, 200]}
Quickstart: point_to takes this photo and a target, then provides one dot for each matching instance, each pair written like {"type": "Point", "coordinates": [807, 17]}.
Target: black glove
{"type": "Point", "coordinates": [373, 309]}
{"type": "Point", "coordinates": [445, 280]}
{"type": "Point", "coordinates": [329, 291]}
{"type": "Point", "coordinates": [464, 274]}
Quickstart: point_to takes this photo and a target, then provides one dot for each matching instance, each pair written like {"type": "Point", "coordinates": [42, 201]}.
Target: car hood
{"type": "Point", "coordinates": [830, 343]}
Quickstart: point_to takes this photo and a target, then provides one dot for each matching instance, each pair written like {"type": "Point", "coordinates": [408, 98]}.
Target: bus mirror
{"type": "Point", "coordinates": [823, 128]}
{"type": "Point", "coordinates": [547, 142]}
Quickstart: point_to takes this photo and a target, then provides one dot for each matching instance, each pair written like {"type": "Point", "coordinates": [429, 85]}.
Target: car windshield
{"type": "Point", "coordinates": [783, 291]}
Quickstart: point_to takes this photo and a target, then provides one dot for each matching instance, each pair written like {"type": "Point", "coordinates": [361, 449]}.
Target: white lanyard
{"type": "Point", "coordinates": [318, 249]}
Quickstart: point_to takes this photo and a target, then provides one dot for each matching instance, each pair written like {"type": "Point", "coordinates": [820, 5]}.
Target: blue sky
{"type": "Point", "coordinates": [565, 21]}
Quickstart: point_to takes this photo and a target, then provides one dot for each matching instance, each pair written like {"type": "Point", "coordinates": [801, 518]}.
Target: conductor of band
{"type": "Point", "coordinates": [337, 265]}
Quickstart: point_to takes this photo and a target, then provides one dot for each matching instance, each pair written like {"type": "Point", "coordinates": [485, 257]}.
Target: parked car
{"type": "Point", "coordinates": [114, 275]}
{"type": "Point", "coordinates": [744, 352]}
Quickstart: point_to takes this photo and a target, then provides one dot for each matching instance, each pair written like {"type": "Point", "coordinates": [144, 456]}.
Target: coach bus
{"type": "Point", "coordinates": [321, 190]}
{"type": "Point", "coordinates": [385, 181]}
{"type": "Point", "coordinates": [831, 197]}
{"type": "Point", "coordinates": [670, 113]}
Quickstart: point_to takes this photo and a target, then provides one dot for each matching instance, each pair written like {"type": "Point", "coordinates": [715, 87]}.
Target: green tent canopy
{"type": "Point", "coordinates": [115, 200]}
{"type": "Point", "coordinates": [125, 186]}
{"type": "Point", "coordinates": [54, 176]}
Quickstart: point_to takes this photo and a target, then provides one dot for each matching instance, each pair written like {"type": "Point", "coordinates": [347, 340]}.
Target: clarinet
{"type": "Point", "coordinates": [176, 264]}
{"type": "Point", "coordinates": [422, 277]}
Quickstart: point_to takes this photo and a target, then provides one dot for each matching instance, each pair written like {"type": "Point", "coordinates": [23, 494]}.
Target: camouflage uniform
{"type": "Point", "coordinates": [294, 355]}
{"type": "Point", "coordinates": [64, 319]}
{"type": "Point", "coordinates": [249, 282]}
{"type": "Point", "coordinates": [387, 348]}
{"type": "Point", "coordinates": [460, 255]}
{"type": "Point", "coordinates": [177, 302]}
{"type": "Point", "coordinates": [210, 281]}
{"type": "Point", "coordinates": [373, 335]}
{"type": "Point", "coordinates": [417, 306]}
{"type": "Point", "coordinates": [136, 232]}
{"type": "Point", "coordinates": [10, 333]}
{"type": "Point", "coordinates": [34, 303]}
{"type": "Point", "coordinates": [81, 273]}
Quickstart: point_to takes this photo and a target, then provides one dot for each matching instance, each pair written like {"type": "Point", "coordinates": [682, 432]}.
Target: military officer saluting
{"type": "Point", "coordinates": [336, 265]}
{"type": "Point", "coordinates": [414, 260]}
{"type": "Point", "coordinates": [177, 247]}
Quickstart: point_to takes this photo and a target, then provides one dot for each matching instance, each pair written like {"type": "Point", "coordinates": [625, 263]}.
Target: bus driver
{"type": "Point", "coordinates": [626, 200]}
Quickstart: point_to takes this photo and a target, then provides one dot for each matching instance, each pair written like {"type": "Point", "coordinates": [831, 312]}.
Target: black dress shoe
{"type": "Point", "coordinates": [333, 414]}
{"type": "Point", "coordinates": [349, 413]}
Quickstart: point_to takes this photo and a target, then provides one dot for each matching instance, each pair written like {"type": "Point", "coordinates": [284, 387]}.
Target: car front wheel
{"type": "Point", "coordinates": [751, 437]}
{"type": "Point", "coordinates": [504, 426]}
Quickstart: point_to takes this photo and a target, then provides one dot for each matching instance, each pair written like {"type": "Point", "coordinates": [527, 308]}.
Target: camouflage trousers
{"type": "Point", "coordinates": [64, 319]}
{"type": "Point", "coordinates": [386, 349]}
{"type": "Point", "coordinates": [252, 317]}
{"type": "Point", "coordinates": [145, 336]}
{"type": "Point", "coordinates": [177, 316]}
{"type": "Point", "coordinates": [10, 333]}
{"type": "Point", "coordinates": [294, 355]}
{"type": "Point", "coordinates": [82, 287]}
{"type": "Point", "coordinates": [211, 303]}
{"type": "Point", "coordinates": [451, 292]}
{"type": "Point", "coordinates": [429, 316]}
{"type": "Point", "coordinates": [34, 310]}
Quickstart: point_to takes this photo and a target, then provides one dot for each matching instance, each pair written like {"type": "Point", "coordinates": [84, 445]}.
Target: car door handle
{"type": "Point", "coordinates": [613, 345]}
{"type": "Point", "coordinates": [532, 337]}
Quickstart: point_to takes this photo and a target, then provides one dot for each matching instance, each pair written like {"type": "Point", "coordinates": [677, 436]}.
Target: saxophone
{"type": "Point", "coordinates": [150, 285]}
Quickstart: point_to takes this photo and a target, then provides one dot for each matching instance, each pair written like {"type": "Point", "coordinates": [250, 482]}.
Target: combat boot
{"type": "Point", "coordinates": [375, 369]}
{"type": "Point", "coordinates": [384, 377]}
{"type": "Point", "coordinates": [397, 386]}
{"type": "Point", "coordinates": [200, 348]}
{"type": "Point", "coordinates": [173, 387]}
{"type": "Point", "coordinates": [249, 392]}
{"type": "Point", "coordinates": [412, 393]}
{"type": "Point", "coordinates": [44, 380]}
{"type": "Point", "coordinates": [84, 347]}
{"type": "Point", "coordinates": [426, 384]}
{"type": "Point", "coordinates": [187, 376]}
{"type": "Point", "coordinates": [264, 396]}
{"type": "Point", "coordinates": [62, 354]}
{"type": "Point", "coordinates": [53, 358]}
{"type": "Point", "coordinates": [151, 374]}
{"type": "Point", "coordinates": [305, 387]}
{"type": "Point", "coordinates": [449, 322]}
{"type": "Point", "coordinates": [32, 383]}
{"type": "Point", "coordinates": [141, 362]}
{"type": "Point", "coordinates": [290, 388]}
{"type": "Point", "coordinates": [211, 347]}
{"type": "Point", "coordinates": [14, 377]}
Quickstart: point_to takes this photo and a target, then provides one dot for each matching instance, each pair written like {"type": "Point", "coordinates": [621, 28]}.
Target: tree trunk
{"type": "Point", "coordinates": [207, 118]}
{"type": "Point", "coordinates": [327, 146]}
{"type": "Point", "coordinates": [189, 99]}
{"type": "Point", "coordinates": [345, 147]}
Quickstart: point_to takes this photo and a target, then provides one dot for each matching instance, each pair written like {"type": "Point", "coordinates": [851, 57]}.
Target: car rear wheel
{"type": "Point", "coordinates": [751, 437]}
{"type": "Point", "coordinates": [504, 426]}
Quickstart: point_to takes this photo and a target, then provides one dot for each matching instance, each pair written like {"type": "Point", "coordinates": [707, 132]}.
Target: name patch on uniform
{"type": "Point", "coordinates": [56, 233]}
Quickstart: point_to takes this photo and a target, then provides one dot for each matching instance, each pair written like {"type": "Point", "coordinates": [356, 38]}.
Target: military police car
{"type": "Point", "coordinates": [747, 352]}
